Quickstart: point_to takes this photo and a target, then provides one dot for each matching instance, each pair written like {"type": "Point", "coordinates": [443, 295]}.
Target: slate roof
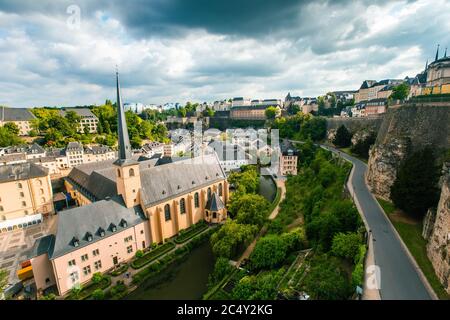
{"type": "Point", "coordinates": [101, 215]}
{"type": "Point", "coordinates": [100, 149]}
{"type": "Point", "coordinates": [21, 171]}
{"type": "Point", "coordinates": [98, 180]}
{"type": "Point", "coordinates": [82, 112]}
{"type": "Point", "coordinates": [367, 84]}
{"type": "Point", "coordinates": [257, 107]}
{"type": "Point", "coordinates": [41, 246]}
{"type": "Point", "coordinates": [215, 203]}
{"type": "Point", "coordinates": [15, 114]}
{"type": "Point", "coordinates": [287, 147]}
{"type": "Point", "coordinates": [227, 151]}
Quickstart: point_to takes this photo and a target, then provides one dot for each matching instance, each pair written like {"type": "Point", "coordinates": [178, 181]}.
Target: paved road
{"type": "Point", "coordinates": [399, 278]}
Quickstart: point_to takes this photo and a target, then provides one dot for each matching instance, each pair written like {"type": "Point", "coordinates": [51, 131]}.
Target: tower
{"type": "Point", "coordinates": [127, 169]}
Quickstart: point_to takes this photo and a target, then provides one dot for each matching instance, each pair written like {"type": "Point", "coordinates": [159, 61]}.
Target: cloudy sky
{"type": "Point", "coordinates": [63, 53]}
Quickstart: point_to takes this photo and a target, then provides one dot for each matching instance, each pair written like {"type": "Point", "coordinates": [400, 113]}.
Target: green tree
{"type": "Point", "coordinates": [271, 112]}
{"type": "Point", "coordinates": [343, 137]}
{"type": "Point", "coordinates": [415, 188]}
{"type": "Point", "coordinates": [346, 245]}
{"type": "Point", "coordinates": [97, 277]}
{"type": "Point", "coordinates": [12, 128]}
{"type": "Point", "coordinates": [8, 139]}
{"type": "Point", "coordinates": [269, 252]}
{"type": "Point", "coordinates": [231, 239]}
{"type": "Point", "coordinates": [222, 268]}
{"type": "Point", "coordinates": [249, 208]}
{"type": "Point", "coordinates": [260, 287]}
{"type": "Point", "coordinates": [98, 294]}
{"type": "Point", "coordinates": [400, 92]}
{"type": "Point", "coordinates": [362, 147]}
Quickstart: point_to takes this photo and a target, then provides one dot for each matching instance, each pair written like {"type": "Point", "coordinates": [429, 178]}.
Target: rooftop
{"type": "Point", "coordinates": [21, 171]}
{"type": "Point", "coordinates": [15, 114]}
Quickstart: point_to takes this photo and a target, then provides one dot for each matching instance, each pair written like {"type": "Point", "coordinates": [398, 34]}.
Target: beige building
{"type": "Point", "coordinates": [256, 112]}
{"type": "Point", "coordinates": [126, 205]}
{"type": "Point", "coordinates": [88, 119]}
{"type": "Point", "coordinates": [288, 159]}
{"type": "Point", "coordinates": [438, 72]}
{"type": "Point", "coordinates": [25, 190]}
{"type": "Point", "coordinates": [20, 116]}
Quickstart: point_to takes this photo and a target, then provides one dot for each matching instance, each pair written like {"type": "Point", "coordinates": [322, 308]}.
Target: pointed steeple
{"type": "Point", "coordinates": [437, 53]}
{"type": "Point", "coordinates": [426, 65]}
{"type": "Point", "coordinates": [445, 53]}
{"type": "Point", "coordinates": [124, 140]}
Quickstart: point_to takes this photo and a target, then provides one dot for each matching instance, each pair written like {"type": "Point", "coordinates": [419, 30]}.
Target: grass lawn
{"type": "Point", "coordinates": [185, 235]}
{"type": "Point", "coordinates": [411, 233]}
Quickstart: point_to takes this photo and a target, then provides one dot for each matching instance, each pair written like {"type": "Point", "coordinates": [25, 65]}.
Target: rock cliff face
{"type": "Point", "coordinates": [384, 161]}
{"type": "Point", "coordinates": [438, 247]}
{"type": "Point", "coordinates": [404, 130]}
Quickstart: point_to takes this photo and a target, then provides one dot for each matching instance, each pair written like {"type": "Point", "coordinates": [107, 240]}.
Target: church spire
{"type": "Point", "coordinates": [426, 65]}
{"type": "Point", "coordinates": [445, 53]}
{"type": "Point", "coordinates": [124, 140]}
{"type": "Point", "coordinates": [437, 53]}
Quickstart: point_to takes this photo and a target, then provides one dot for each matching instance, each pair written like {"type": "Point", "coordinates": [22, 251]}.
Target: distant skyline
{"type": "Point", "coordinates": [178, 50]}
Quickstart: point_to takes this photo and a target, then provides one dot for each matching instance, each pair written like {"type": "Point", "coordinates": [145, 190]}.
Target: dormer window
{"type": "Point", "coordinates": [123, 223]}
{"type": "Point", "coordinates": [113, 227]}
{"type": "Point", "coordinates": [101, 232]}
{"type": "Point", "coordinates": [179, 187]}
{"type": "Point", "coordinates": [89, 237]}
{"type": "Point", "coordinates": [75, 242]}
{"type": "Point", "coordinates": [163, 192]}
{"type": "Point", "coordinates": [193, 182]}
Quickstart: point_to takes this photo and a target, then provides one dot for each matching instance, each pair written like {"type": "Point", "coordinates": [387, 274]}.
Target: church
{"type": "Point", "coordinates": [126, 205]}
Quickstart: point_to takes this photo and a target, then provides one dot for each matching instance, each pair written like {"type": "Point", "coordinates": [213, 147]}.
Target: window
{"type": "Point", "coordinates": [131, 172]}
{"type": "Point", "coordinates": [129, 249]}
{"type": "Point", "coordinates": [128, 239]}
{"type": "Point", "coordinates": [22, 194]}
{"type": "Point", "coordinates": [142, 231]}
{"type": "Point", "coordinates": [209, 194]}
{"type": "Point", "coordinates": [19, 185]}
{"type": "Point", "coordinates": [87, 270]}
{"type": "Point", "coordinates": [40, 182]}
{"type": "Point", "coordinates": [118, 173]}
{"type": "Point", "coordinates": [167, 212]}
{"type": "Point", "coordinates": [220, 190]}
{"type": "Point", "coordinates": [182, 206]}
{"type": "Point", "coordinates": [196, 200]}
{"type": "Point", "coordinates": [214, 215]}
{"type": "Point", "coordinates": [98, 265]}
{"type": "Point", "coordinates": [143, 244]}
{"type": "Point", "coordinates": [74, 277]}
{"type": "Point", "coordinates": [72, 263]}
{"type": "Point", "coordinates": [1, 208]}
{"type": "Point", "coordinates": [84, 257]}
{"type": "Point", "coordinates": [96, 252]}
{"type": "Point", "coordinates": [43, 199]}
{"type": "Point", "coordinates": [24, 204]}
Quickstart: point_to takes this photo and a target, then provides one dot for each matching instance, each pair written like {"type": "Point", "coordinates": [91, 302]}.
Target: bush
{"type": "Point", "coordinates": [362, 147]}
{"type": "Point", "coordinates": [346, 245]}
{"type": "Point", "coordinates": [98, 294]}
{"type": "Point", "coordinates": [97, 277]}
{"type": "Point", "coordinates": [222, 268]}
{"type": "Point", "coordinates": [139, 254]}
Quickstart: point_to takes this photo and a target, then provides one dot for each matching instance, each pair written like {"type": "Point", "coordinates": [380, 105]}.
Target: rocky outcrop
{"type": "Point", "coordinates": [360, 136]}
{"type": "Point", "coordinates": [438, 247]}
{"type": "Point", "coordinates": [384, 161]}
{"type": "Point", "coordinates": [404, 130]}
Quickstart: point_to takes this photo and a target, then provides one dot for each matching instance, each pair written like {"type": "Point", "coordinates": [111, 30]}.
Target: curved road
{"type": "Point", "coordinates": [399, 278]}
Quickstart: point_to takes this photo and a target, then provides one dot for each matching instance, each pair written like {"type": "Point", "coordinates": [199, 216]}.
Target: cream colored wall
{"type": "Point", "coordinates": [161, 229]}
{"type": "Point", "coordinates": [78, 196]}
{"type": "Point", "coordinates": [109, 247]}
{"type": "Point", "coordinates": [128, 186]}
{"type": "Point", "coordinates": [42, 270]}
{"type": "Point", "coordinates": [37, 195]}
{"type": "Point", "coordinates": [288, 165]}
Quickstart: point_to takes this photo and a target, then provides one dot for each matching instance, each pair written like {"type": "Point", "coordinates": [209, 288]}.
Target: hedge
{"type": "Point", "coordinates": [152, 255]}
{"type": "Point", "coordinates": [120, 270]}
{"type": "Point", "coordinates": [87, 291]}
{"type": "Point", "coordinates": [190, 233]}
